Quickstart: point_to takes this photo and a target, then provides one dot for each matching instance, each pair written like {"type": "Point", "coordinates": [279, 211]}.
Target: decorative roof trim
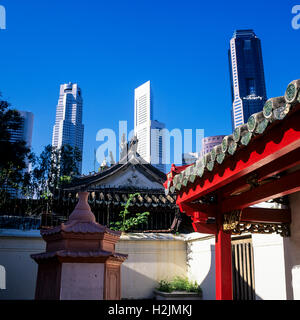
{"type": "Point", "coordinates": [275, 109]}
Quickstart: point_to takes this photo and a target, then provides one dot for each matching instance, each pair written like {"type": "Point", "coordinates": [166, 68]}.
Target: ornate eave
{"type": "Point", "coordinates": [256, 163]}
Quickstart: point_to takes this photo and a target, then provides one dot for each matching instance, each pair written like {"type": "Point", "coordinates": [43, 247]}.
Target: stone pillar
{"type": "Point", "coordinates": [80, 262]}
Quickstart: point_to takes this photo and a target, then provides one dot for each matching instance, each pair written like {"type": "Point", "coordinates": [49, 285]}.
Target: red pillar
{"type": "Point", "coordinates": [223, 265]}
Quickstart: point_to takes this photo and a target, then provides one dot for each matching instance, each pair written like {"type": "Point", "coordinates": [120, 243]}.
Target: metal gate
{"type": "Point", "coordinates": [243, 269]}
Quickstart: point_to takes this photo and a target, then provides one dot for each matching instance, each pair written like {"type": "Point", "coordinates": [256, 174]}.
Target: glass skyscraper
{"type": "Point", "coordinates": [68, 128]}
{"type": "Point", "coordinates": [149, 132]}
{"type": "Point", "coordinates": [248, 87]}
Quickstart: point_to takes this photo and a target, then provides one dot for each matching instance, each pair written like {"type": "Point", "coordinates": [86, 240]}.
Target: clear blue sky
{"type": "Point", "coordinates": [111, 47]}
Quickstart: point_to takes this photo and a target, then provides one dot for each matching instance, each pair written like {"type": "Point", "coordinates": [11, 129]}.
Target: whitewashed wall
{"type": "Point", "coordinates": [292, 251]}
{"type": "Point", "coordinates": [21, 271]}
{"type": "Point", "coordinates": [269, 268]}
{"type": "Point", "coordinates": [201, 263]}
{"type": "Point", "coordinates": [152, 257]}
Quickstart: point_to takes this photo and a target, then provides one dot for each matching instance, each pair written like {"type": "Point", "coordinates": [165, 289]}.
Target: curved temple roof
{"type": "Point", "coordinates": [275, 109]}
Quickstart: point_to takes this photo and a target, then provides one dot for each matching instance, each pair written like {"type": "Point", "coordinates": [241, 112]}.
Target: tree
{"type": "Point", "coordinates": [14, 154]}
{"type": "Point", "coordinates": [55, 167]}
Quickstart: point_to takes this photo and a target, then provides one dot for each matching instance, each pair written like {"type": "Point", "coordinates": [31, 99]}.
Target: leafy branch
{"type": "Point", "coordinates": [125, 223]}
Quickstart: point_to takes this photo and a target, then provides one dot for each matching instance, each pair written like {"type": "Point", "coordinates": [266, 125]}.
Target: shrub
{"type": "Point", "coordinates": [179, 284]}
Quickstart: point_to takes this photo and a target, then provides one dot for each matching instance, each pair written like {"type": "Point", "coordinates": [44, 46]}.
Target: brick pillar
{"type": "Point", "coordinates": [80, 262]}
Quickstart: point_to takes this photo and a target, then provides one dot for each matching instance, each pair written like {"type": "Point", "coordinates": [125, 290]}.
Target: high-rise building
{"type": "Point", "coordinates": [24, 133]}
{"type": "Point", "coordinates": [248, 87]}
{"type": "Point", "coordinates": [68, 128]}
{"type": "Point", "coordinates": [149, 132]}
{"type": "Point", "coordinates": [209, 142]}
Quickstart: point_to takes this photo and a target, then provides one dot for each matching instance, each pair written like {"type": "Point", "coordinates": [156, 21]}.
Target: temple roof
{"type": "Point", "coordinates": [131, 161]}
{"type": "Point", "coordinates": [274, 111]}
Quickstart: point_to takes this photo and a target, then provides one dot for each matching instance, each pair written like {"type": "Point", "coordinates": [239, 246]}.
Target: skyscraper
{"type": "Point", "coordinates": [149, 132]}
{"type": "Point", "coordinates": [68, 128]}
{"type": "Point", "coordinates": [24, 133]}
{"type": "Point", "coordinates": [248, 87]}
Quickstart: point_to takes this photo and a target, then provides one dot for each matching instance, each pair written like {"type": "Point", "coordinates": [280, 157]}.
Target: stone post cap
{"type": "Point", "coordinates": [82, 211]}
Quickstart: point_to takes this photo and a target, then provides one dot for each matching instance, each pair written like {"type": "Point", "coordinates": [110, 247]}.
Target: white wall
{"type": "Point", "coordinates": [152, 257]}
{"type": "Point", "coordinates": [201, 263]}
{"type": "Point", "coordinates": [269, 267]}
{"type": "Point", "coordinates": [292, 250]}
{"type": "Point", "coordinates": [21, 271]}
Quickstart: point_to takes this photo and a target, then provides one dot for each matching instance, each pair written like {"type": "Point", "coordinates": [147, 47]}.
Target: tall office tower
{"type": "Point", "coordinates": [24, 133]}
{"type": "Point", "coordinates": [149, 132]}
{"type": "Point", "coordinates": [68, 128]}
{"type": "Point", "coordinates": [209, 142]}
{"type": "Point", "coordinates": [248, 87]}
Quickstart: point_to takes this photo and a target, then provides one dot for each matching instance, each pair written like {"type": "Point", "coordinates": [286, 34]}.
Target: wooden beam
{"type": "Point", "coordinates": [266, 215]}
{"type": "Point", "coordinates": [276, 142]}
{"type": "Point", "coordinates": [287, 184]}
{"type": "Point", "coordinates": [208, 209]}
{"type": "Point", "coordinates": [205, 228]}
{"type": "Point", "coordinates": [276, 166]}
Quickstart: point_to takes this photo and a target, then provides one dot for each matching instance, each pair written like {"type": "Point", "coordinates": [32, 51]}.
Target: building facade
{"type": "Point", "coordinates": [209, 142]}
{"type": "Point", "coordinates": [248, 87]}
{"type": "Point", "coordinates": [149, 132]}
{"type": "Point", "coordinates": [68, 128]}
{"type": "Point", "coordinates": [24, 133]}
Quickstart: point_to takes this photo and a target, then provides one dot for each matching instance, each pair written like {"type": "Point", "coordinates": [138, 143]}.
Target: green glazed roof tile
{"type": "Point", "coordinates": [274, 109]}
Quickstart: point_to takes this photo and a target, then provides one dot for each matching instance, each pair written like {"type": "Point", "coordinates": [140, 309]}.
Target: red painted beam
{"type": "Point", "coordinates": [205, 228]}
{"type": "Point", "coordinates": [279, 165]}
{"type": "Point", "coordinates": [208, 209]}
{"type": "Point", "coordinates": [266, 215]}
{"type": "Point", "coordinates": [276, 142]}
{"type": "Point", "coordinates": [286, 185]}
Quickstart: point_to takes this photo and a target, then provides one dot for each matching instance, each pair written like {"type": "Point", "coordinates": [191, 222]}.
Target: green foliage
{"type": "Point", "coordinates": [50, 170]}
{"type": "Point", "coordinates": [13, 154]}
{"type": "Point", "coordinates": [127, 223]}
{"type": "Point", "coordinates": [179, 284]}
{"type": "Point", "coordinates": [54, 168]}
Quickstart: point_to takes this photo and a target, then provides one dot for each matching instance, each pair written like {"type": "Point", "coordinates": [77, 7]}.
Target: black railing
{"type": "Point", "coordinates": [34, 214]}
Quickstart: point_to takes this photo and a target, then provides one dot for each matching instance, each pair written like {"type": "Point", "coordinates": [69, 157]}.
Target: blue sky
{"type": "Point", "coordinates": [111, 47]}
